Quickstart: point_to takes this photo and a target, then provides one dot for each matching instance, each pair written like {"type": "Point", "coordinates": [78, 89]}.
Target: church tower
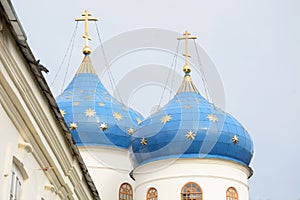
{"type": "Point", "coordinates": [188, 150]}
{"type": "Point", "coordinates": [191, 150]}
{"type": "Point", "coordinates": [100, 125]}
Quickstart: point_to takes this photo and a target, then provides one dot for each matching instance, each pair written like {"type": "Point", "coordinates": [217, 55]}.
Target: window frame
{"type": "Point", "coordinates": [127, 195]}
{"type": "Point", "coordinates": [232, 195]}
{"type": "Point", "coordinates": [16, 183]}
{"type": "Point", "coordinates": [188, 192]}
{"type": "Point", "coordinates": [150, 192]}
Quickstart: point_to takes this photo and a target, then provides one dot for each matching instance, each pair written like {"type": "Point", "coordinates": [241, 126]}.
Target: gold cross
{"type": "Point", "coordinates": [186, 37]}
{"type": "Point", "coordinates": [86, 18]}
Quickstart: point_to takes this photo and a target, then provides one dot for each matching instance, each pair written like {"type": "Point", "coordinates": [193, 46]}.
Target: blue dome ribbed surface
{"type": "Point", "coordinates": [86, 103]}
{"type": "Point", "coordinates": [191, 127]}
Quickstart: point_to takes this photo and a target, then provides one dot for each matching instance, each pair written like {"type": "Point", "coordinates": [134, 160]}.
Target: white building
{"type": "Point", "coordinates": [39, 159]}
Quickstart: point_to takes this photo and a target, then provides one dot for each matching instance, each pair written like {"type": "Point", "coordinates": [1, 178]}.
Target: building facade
{"type": "Point", "coordinates": [39, 159]}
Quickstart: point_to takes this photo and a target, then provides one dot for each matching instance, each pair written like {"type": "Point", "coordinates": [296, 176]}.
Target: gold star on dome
{"type": "Point", "coordinates": [165, 119]}
{"type": "Point", "coordinates": [62, 112]}
{"type": "Point", "coordinates": [101, 104]}
{"type": "Point", "coordinates": [130, 131]}
{"type": "Point", "coordinates": [118, 116]}
{"type": "Point", "coordinates": [143, 141]}
{"type": "Point", "coordinates": [103, 126]}
{"type": "Point", "coordinates": [212, 118]}
{"type": "Point", "coordinates": [188, 106]}
{"type": "Point", "coordinates": [190, 135]}
{"type": "Point", "coordinates": [90, 112]}
{"type": "Point", "coordinates": [235, 139]}
{"type": "Point", "coordinates": [73, 126]}
{"type": "Point", "coordinates": [75, 103]}
{"type": "Point", "coordinates": [138, 120]}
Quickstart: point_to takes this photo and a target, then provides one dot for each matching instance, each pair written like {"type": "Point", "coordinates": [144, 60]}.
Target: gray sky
{"type": "Point", "coordinates": [255, 46]}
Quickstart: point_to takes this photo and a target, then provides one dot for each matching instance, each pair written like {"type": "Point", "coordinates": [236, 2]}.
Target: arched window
{"type": "Point", "coordinates": [18, 176]}
{"type": "Point", "coordinates": [125, 192]}
{"type": "Point", "coordinates": [191, 191]}
{"type": "Point", "coordinates": [152, 194]}
{"type": "Point", "coordinates": [231, 194]}
{"type": "Point", "coordinates": [16, 183]}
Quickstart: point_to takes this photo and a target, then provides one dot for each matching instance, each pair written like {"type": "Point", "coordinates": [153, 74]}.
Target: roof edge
{"type": "Point", "coordinates": [21, 40]}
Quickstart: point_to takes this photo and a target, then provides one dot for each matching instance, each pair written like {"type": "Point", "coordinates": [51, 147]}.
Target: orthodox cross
{"type": "Point", "coordinates": [86, 17]}
{"type": "Point", "coordinates": [186, 37]}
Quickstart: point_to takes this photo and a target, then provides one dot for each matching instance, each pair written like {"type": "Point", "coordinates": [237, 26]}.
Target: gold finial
{"type": "Point", "coordinates": [186, 68]}
{"type": "Point", "coordinates": [86, 18]}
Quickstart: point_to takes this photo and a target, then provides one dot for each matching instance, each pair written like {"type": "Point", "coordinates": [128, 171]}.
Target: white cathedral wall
{"type": "Point", "coordinates": [214, 176]}
{"type": "Point", "coordinates": [109, 167]}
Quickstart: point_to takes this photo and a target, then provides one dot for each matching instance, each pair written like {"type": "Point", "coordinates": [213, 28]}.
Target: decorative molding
{"type": "Point", "coordinates": [49, 187]}
{"type": "Point", "coordinates": [1, 23]}
{"type": "Point", "coordinates": [26, 146]}
{"type": "Point", "coordinates": [21, 168]}
{"type": "Point", "coordinates": [71, 171]}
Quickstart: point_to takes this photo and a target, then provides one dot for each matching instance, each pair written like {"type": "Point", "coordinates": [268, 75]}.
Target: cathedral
{"type": "Point", "coordinates": [85, 144]}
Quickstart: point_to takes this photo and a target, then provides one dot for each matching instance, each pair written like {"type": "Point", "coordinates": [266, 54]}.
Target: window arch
{"type": "Point", "coordinates": [232, 194]}
{"type": "Point", "coordinates": [125, 192]}
{"type": "Point", "coordinates": [152, 194]}
{"type": "Point", "coordinates": [191, 191]}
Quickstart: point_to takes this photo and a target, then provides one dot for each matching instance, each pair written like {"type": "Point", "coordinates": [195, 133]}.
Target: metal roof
{"type": "Point", "coordinates": [191, 127]}
{"type": "Point", "coordinates": [98, 118]}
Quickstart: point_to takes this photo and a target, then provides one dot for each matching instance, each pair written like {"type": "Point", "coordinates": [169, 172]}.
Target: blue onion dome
{"type": "Point", "coordinates": [95, 118]}
{"type": "Point", "coordinates": [189, 126]}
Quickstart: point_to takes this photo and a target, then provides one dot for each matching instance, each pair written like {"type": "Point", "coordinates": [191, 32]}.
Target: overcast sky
{"type": "Point", "coordinates": [255, 46]}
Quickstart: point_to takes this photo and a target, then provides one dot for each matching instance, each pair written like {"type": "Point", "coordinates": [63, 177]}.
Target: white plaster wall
{"type": "Point", "coordinates": [26, 116]}
{"type": "Point", "coordinates": [109, 167]}
{"type": "Point", "coordinates": [33, 187]}
{"type": "Point", "coordinates": [212, 175]}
